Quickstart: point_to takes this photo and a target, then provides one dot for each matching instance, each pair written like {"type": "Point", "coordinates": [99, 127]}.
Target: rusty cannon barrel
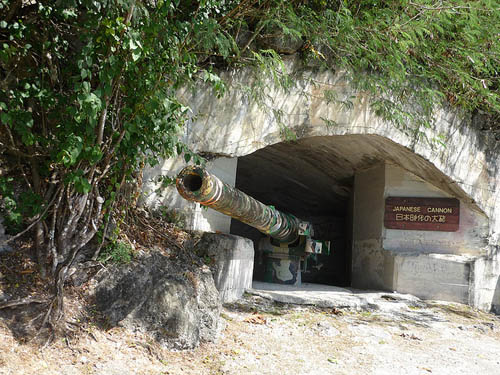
{"type": "Point", "coordinates": [196, 184]}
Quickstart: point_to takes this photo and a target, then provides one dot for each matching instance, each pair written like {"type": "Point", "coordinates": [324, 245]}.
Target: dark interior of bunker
{"type": "Point", "coordinates": [313, 182]}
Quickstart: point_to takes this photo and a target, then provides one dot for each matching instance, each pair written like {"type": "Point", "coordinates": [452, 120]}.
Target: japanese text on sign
{"type": "Point", "coordinates": [439, 214]}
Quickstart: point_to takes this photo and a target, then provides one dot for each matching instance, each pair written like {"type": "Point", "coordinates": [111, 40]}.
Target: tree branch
{"type": "Point", "coordinates": [20, 302]}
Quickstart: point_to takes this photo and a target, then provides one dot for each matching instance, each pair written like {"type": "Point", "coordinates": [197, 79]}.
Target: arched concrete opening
{"type": "Point", "coordinates": [339, 184]}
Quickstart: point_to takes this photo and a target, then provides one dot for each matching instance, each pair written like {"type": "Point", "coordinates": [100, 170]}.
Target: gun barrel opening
{"type": "Point", "coordinates": [192, 182]}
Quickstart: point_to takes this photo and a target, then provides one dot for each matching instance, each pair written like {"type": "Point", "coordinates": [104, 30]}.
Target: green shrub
{"type": "Point", "coordinates": [119, 252]}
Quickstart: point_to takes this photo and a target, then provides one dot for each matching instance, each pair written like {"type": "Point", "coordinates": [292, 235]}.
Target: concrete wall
{"type": "Point", "coordinates": [235, 125]}
{"type": "Point", "coordinates": [231, 262]}
{"type": "Point", "coordinates": [371, 265]}
{"type": "Point", "coordinates": [471, 237]}
{"type": "Point", "coordinates": [428, 264]}
{"type": "Point", "coordinates": [433, 276]}
{"type": "Point", "coordinates": [485, 283]}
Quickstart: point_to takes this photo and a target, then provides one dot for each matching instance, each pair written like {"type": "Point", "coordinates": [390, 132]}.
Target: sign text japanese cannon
{"type": "Point", "coordinates": [438, 214]}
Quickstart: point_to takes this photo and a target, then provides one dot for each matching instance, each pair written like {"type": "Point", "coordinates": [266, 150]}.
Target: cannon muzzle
{"type": "Point", "coordinates": [196, 184]}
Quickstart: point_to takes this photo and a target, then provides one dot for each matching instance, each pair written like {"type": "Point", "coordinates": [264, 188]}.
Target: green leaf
{"type": "Point", "coordinates": [6, 118]}
{"type": "Point", "coordinates": [82, 185]}
{"type": "Point", "coordinates": [68, 13]}
{"type": "Point", "coordinates": [86, 86]}
{"type": "Point", "coordinates": [136, 54]}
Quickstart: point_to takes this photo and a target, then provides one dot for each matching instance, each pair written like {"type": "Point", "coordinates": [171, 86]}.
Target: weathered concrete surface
{"type": "Point", "coordinates": [428, 264]}
{"type": "Point", "coordinates": [231, 261]}
{"type": "Point", "coordinates": [372, 266]}
{"type": "Point", "coordinates": [369, 269]}
{"type": "Point", "coordinates": [335, 297]}
{"type": "Point", "coordinates": [485, 289]}
{"type": "Point", "coordinates": [443, 277]}
{"type": "Point", "coordinates": [197, 217]}
{"type": "Point", "coordinates": [471, 237]}
{"type": "Point", "coordinates": [170, 298]}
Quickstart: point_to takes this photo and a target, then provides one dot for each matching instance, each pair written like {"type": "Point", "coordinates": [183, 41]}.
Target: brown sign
{"type": "Point", "coordinates": [439, 214]}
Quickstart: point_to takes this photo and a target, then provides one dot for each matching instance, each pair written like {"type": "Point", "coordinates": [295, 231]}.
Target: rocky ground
{"type": "Point", "coordinates": [266, 337]}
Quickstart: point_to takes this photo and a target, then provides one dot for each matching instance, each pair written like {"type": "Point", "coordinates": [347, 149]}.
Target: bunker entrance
{"type": "Point", "coordinates": [312, 180]}
{"type": "Point", "coordinates": [341, 185]}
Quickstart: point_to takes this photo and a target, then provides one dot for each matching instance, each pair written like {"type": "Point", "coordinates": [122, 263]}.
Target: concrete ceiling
{"type": "Point", "coordinates": [314, 176]}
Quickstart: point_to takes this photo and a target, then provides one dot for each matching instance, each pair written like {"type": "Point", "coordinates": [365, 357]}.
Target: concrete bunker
{"type": "Point", "coordinates": [340, 184]}
{"type": "Point", "coordinates": [347, 171]}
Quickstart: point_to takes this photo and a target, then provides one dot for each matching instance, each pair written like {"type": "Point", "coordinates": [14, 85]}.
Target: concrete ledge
{"type": "Point", "coordinates": [327, 296]}
{"type": "Point", "coordinates": [433, 276]}
{"type": "Point", "coordinates": [231, 261]}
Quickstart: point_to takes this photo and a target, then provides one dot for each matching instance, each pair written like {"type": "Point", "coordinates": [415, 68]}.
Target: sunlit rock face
{"type": "Point", "coordinates": [316, 157]}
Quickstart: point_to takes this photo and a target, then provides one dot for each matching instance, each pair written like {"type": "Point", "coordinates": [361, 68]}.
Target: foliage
{"type": "Point", "coordinates": [119, 252]}
{"type": "Point", "coordinates": [9, 206]}
{"type": "Point", "coordinates": [409, 56]}
{"type": "Point", "coordinates": [87, 88]}
{"type": "Point", "coordinates": [88, 97]}
{"type": "Point", "coordinates": [407, 52]}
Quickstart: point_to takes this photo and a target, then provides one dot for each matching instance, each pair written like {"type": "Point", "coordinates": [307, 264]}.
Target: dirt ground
{"type": "Point", "coordinates": [265, 337]}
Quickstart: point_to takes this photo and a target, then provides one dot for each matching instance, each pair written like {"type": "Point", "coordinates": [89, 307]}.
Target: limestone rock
{"type": "Point", "coordinates": [174, 300]}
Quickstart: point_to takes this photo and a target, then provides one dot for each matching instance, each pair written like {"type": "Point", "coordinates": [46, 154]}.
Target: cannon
{"type": "Point", "coordinates": [289, 239]}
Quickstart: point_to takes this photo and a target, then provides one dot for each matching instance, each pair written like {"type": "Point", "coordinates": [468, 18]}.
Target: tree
{"type": "Point", "coordinates": [88, 87]}
{"type": "Point", "coordinates": [88, 94]}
